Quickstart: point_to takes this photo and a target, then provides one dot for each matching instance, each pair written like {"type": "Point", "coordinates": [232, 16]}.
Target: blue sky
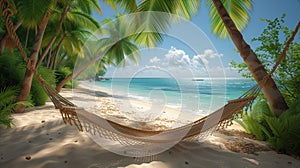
{"type": "Point", "coordinates": [203, 54]}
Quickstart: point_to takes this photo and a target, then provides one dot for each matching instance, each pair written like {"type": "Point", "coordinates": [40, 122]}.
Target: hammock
{"type": "Point", "coordinates": [90, 122]}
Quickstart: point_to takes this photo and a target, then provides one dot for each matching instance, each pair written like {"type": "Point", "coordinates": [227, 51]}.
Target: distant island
{"type": "Point", "coordinates": [197, 79]}
{"type": "Point", "coordinates": [100, 78]}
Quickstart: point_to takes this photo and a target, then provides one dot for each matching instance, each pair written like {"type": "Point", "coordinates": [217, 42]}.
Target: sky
{"type": "Point", "coordinates": [190, 49]}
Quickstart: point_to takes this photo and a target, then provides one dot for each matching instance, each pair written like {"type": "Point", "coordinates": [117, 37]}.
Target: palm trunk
{"type": "Point", "coordinates": [57, 52]}
{"type": "Point", "coordinates": [26, 38]}
{"type": "Point", "coordinates": [31, 65]}
{"type": "Point", "coordinates": [77, 72]}
{"type": "Point", "coordinates": [63, 15]}
{"type": "Point", "coordinates": [62, 58]}
{"type": "Point", "coordinates": [269, 88]}
{"type": "Point", "coordinates": [48, 62]}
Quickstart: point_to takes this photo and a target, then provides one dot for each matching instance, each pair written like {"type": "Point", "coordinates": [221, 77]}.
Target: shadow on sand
{"type": "Point", "coordinates": [53, 144]}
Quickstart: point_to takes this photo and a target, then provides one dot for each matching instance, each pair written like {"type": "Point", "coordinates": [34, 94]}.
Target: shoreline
{"type": "Point", "coordinates": [144, 113]}
{"type": "Point", "coordinates": [170, 100]}
{"type": "Point", "coordinates": [41, 139]}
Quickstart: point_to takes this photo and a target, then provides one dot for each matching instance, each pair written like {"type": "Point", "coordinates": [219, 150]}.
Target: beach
{"type": "Point", "coordinates": [39, 138]}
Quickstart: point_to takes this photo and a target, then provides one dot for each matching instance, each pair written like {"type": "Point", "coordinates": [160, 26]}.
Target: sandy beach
{"type": "Point", "coordinates": [39, 138]}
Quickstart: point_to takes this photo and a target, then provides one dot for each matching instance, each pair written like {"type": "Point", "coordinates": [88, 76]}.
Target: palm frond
{"type": "Point", "coordinates": [178, 7]}
{"type": "Point", "coordinates": [275, 124]}
{"type": "Point", "coordinates": [87, 6]}
{"type": "Point", "coordinates": [8, 96]}
{"type": "Point", "coordinates": [83, 20]}
{"type": "Point", "coordinates": [31, 12]}
{"type": "Point", "coordinates": [238, 11]}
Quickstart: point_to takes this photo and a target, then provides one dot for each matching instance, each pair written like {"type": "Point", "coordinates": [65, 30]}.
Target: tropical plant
{"type": "Point", "coordinates": [38, 94]}
{"type": "Point", "coordinates": [36, 14]}
{"type": "Point", "coordinates": [7, 104]}
{"type": "Point", "coordinates": [116, 43]}
{"type": "Point", "coordinates": [281, 132]}
{"type": "Point", "coordinates": [12, 73]}
{"type": "Point", "coordinates": [254, 121]}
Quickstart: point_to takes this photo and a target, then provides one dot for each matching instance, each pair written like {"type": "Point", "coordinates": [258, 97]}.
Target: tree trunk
{"type": "Point", "coordinates": [77, 72]}
{"type": "Point", "coordinates": [6, 36]}
{"type": "Point", "coordinates": [26, 38]}
{"type": "Point", "coordinates": [62, 58]}
{"type": "Point", "coordinates": [48, 62]}
{"type": "Point", "coordinates": [269, 88]}
{"type": "Point", "coordinates": [57, 52]}
{"type": "Point", "coordinates": [63, 16]}
{"type": "Point", "coordinates": [31, 65]}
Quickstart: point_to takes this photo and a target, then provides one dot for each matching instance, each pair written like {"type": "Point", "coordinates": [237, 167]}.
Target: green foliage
{"type": "Point", "coordinates": [31, 11]}
{"type": "Point", "coordinates": [7, 97]}
{"type": "Point", "coordinates": [272, 41]}
{"type": "Point", "coordinates": [239, 12]}
{"type": "Point", "coordinates": [39, 96]}
{"type": "Point", "coordinates": [12, 74]}
{"type": "Point", "coordinates": [61, 73]}
{"type": "Point", "coordinates": [282, 133]}
{"type": "Point", "coordinates": [7, 104]}
{"type": "Point", "coordinates": [12, 69]}
{"type": "Point", "coordinates": [254, 122]}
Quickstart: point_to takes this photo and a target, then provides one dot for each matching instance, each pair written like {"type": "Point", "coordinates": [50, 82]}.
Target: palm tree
{"type": "Point", "coordinates": [37, 14]}
{"type": "Point", "coordinates": [75, 29]}
{"type": "Point", "coordinates": [115, 45]}
{"type": "Point", "coordinates": [269, 88]}
{"type": "Point", "coordinates": [122, 40]}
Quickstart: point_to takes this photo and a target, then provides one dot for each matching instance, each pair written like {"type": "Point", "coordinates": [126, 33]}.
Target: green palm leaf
{"type": "Point", "coordinates": [178, 7]}
{"type": "Point", "coordinates": [276, 125]}
{"type": "Point", "coordinates": [83, 20]}
{"type": "Point", "coordinates": [128, 5]}
{"type": "Point", "coordinates": [87, 6]}
{"type": "Point", "coordinates": [238, 10]}
{"type": "Point", "coordinates": [117, 41]}
{"type": "Point", "coordinates": [8, 96]}
{"type": "Point", "coordinates": [31, 12]}
{"type": "Point", "coordinates": [152, 24]}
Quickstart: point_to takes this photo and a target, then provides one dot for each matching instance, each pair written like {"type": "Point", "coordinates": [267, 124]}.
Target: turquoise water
{"type": "Point", "coordinates": [198, 97]}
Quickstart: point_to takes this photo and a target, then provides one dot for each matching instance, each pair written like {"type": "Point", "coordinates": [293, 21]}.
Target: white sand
{"type": "Point", "coordinates": [41, 136]}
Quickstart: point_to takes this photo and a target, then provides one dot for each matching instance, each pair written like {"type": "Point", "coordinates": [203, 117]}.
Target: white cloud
{"type": "Point", "coordinates": [177, 62]}
{"type": "Point", "coordinates": [176, 57]}
{"type": "Point", "coordinates": [154, 60]}
{"type": "Point", "coordinates": [205, 57]}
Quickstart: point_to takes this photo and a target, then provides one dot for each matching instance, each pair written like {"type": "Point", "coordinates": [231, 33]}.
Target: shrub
{"type": "Point", "coordinates": [7, 104]}
{"type": "Point", "coordinates": [39, 96]}
{"type": "Point", "coordinates": [12, 74]}
{"type": "Point", "coordinates": [282, 133]}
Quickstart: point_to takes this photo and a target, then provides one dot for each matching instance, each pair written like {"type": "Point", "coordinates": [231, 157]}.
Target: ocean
{"type": "Point", "coordinates": [196, 96]}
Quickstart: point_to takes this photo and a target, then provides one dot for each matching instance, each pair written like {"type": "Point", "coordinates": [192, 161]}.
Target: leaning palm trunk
{"type": "Point", "coordinates": [77, 72]}
{"type": "Point", "coordinates": [267, 84]}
